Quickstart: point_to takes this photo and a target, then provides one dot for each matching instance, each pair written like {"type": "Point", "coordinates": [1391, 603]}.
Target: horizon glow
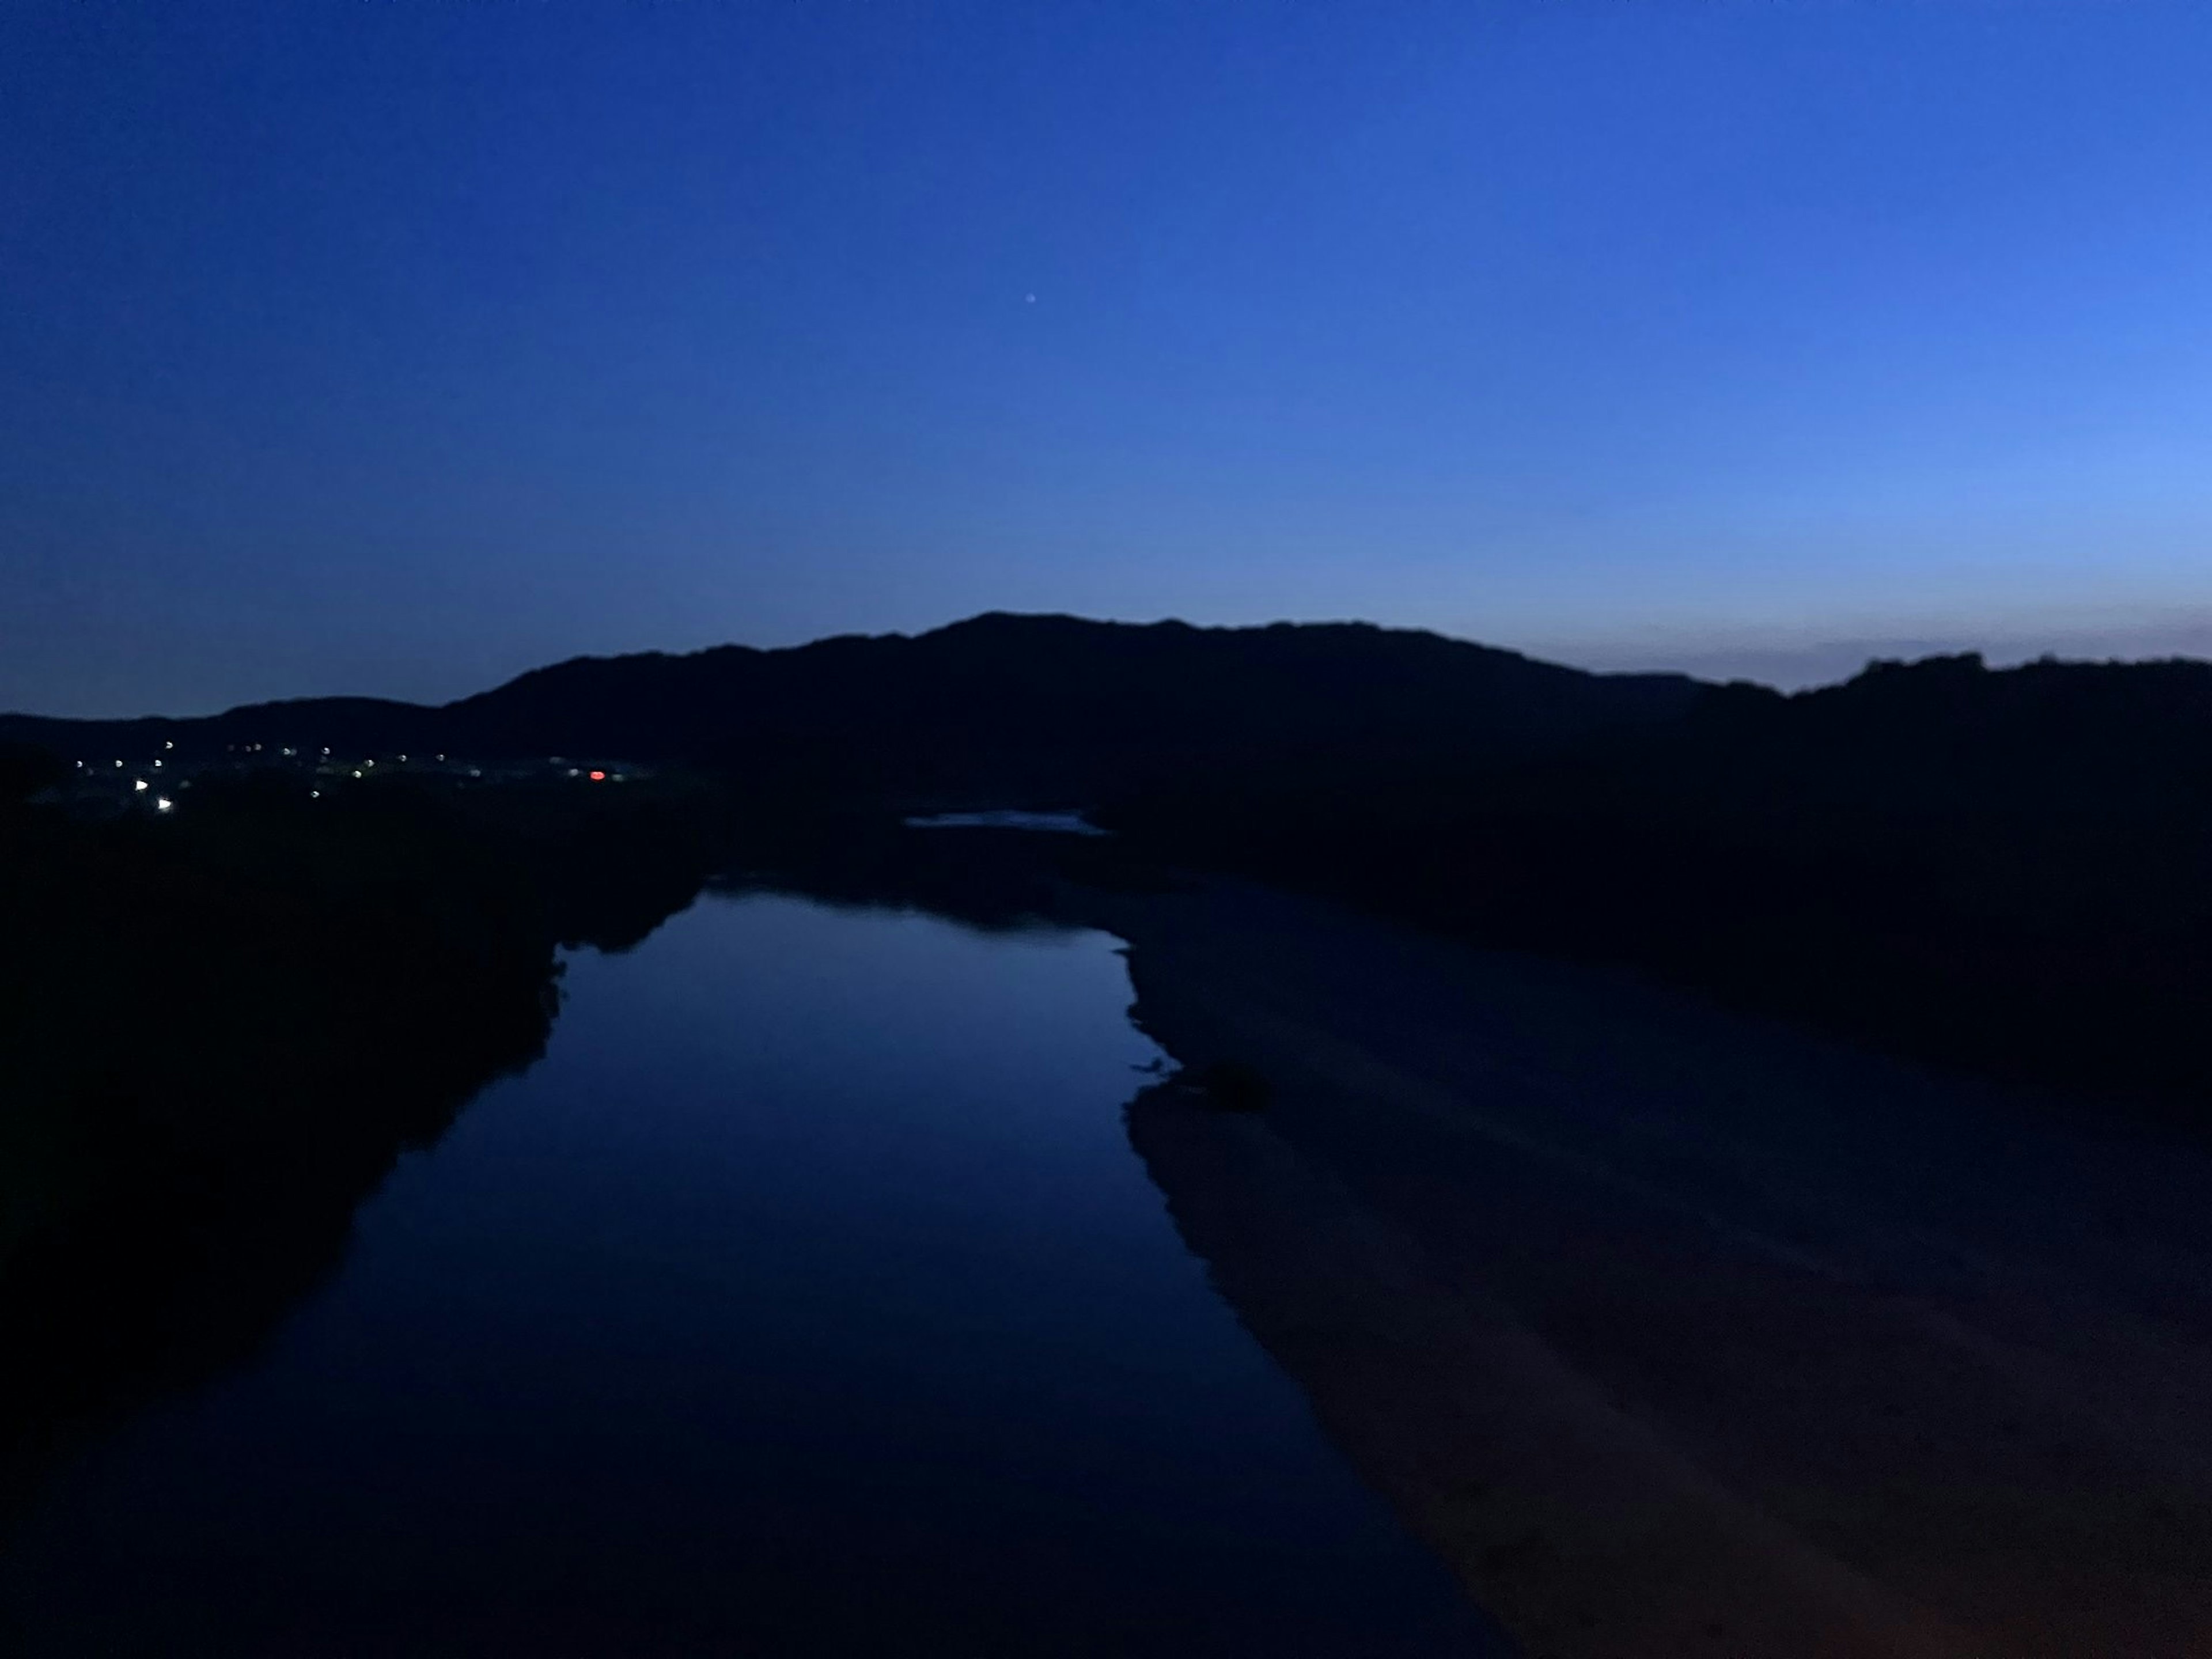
{"type": "Point", "coordinates": [393, 351]}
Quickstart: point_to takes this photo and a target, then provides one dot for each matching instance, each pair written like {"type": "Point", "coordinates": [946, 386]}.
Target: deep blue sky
{"type": "Point", "coordinates": [396, 345]}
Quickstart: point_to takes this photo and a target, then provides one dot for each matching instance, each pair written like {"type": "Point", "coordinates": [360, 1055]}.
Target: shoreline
{"type": "Point", "coordinates": [1676, 1332]}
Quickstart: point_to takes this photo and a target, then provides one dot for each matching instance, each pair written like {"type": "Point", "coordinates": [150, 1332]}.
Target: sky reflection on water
{"type": "Point", "coordinates": [806, 1298]}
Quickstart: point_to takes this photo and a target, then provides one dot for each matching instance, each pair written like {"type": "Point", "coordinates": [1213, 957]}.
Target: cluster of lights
{"type": "Point", "coordinates": [140, 785]}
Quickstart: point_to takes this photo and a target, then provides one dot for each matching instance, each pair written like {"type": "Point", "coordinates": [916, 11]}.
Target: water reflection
{"type": "Point", "coordinates": [805, 1299]}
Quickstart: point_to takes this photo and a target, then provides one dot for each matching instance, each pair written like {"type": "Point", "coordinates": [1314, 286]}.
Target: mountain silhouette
{"type": "Point", "coordinates": [1046, 706]}
{"type": "Point", "coordinates": [2010, 868]}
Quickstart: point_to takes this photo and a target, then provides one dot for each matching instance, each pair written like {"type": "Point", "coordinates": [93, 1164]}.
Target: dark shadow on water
{"type": "Point", "coordinates": [994, 880]}
{"type": "Point", "coordinates": [220, 1033]}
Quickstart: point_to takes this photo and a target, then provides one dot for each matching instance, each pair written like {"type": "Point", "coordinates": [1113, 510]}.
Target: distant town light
{"type": "Point", "coordinates": [157, 760]}
{"type": "Point", "coordinates": [326, 748]}
{"type": "Point", "coordinates": [288, 751]}
{"type": "Point", "coordinates": [368, 763]}
{"type": "Point", "coordinates": [599, 777]}
{"type": "Point", "coordinates": [167, 743]}
{"type": "Point", "coordinates": [314, 795]}
{"type": "Point", "coordinates": [403, 760]}
{"type": "Point", "coordinates": [138, 784]}
{"type": "Point", "coordinates": [163, 803]}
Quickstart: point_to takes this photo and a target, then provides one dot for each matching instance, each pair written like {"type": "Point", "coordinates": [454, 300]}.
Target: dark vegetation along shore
{"type": "Point", "coordinates": [220, 1027]}
{"type": "Point", "coordinates": [2007, 870]}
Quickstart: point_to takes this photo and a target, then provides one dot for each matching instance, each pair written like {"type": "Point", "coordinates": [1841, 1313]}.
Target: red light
{"type": "Point", "coordinates": [599, 777]}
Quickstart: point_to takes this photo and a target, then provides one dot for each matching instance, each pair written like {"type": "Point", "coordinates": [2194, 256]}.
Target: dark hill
{"type": "Point", "coordinates": [1007, 705]}
{"type": "Point", "coordinates": [2011, 868]}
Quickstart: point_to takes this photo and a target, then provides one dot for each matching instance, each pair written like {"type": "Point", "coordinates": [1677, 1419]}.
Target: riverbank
{"type": "Point", "coordinates": [223, 1019]}
{"type": "Point", "coordinates": [1679, 1332]}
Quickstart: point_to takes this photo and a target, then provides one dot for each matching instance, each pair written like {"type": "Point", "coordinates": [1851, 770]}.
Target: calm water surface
{"type": "Point", "coordinates": [805, 1299]}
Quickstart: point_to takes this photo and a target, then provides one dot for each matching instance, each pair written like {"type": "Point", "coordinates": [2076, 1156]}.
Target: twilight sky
{"type": "Point", "coordinates": [395, 346]}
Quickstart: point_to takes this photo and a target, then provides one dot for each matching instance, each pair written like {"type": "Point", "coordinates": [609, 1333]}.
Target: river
{"type": "Point", "coordinates": [805, 1299]}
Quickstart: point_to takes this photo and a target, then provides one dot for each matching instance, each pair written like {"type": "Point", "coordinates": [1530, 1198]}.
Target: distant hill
{"type": "Point", "coordinates": [1055, 708]}
{"type": "Point", "coordinates": [2010, 868]}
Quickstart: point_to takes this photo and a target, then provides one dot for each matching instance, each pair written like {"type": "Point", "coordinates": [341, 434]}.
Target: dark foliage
{"type": "Point", "coordinates": [220, 1028]}
{"type": "Point", "coordinates": [218, 1033]}
{"type": "Point", "coordinates": [25, 769]}
{"type": "Point", "coordinates": [992, 879]}
{"type": "Point", "coordinates": [1230, 1085]}
{"type": "Point", "coordinates": [2007, 869]}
